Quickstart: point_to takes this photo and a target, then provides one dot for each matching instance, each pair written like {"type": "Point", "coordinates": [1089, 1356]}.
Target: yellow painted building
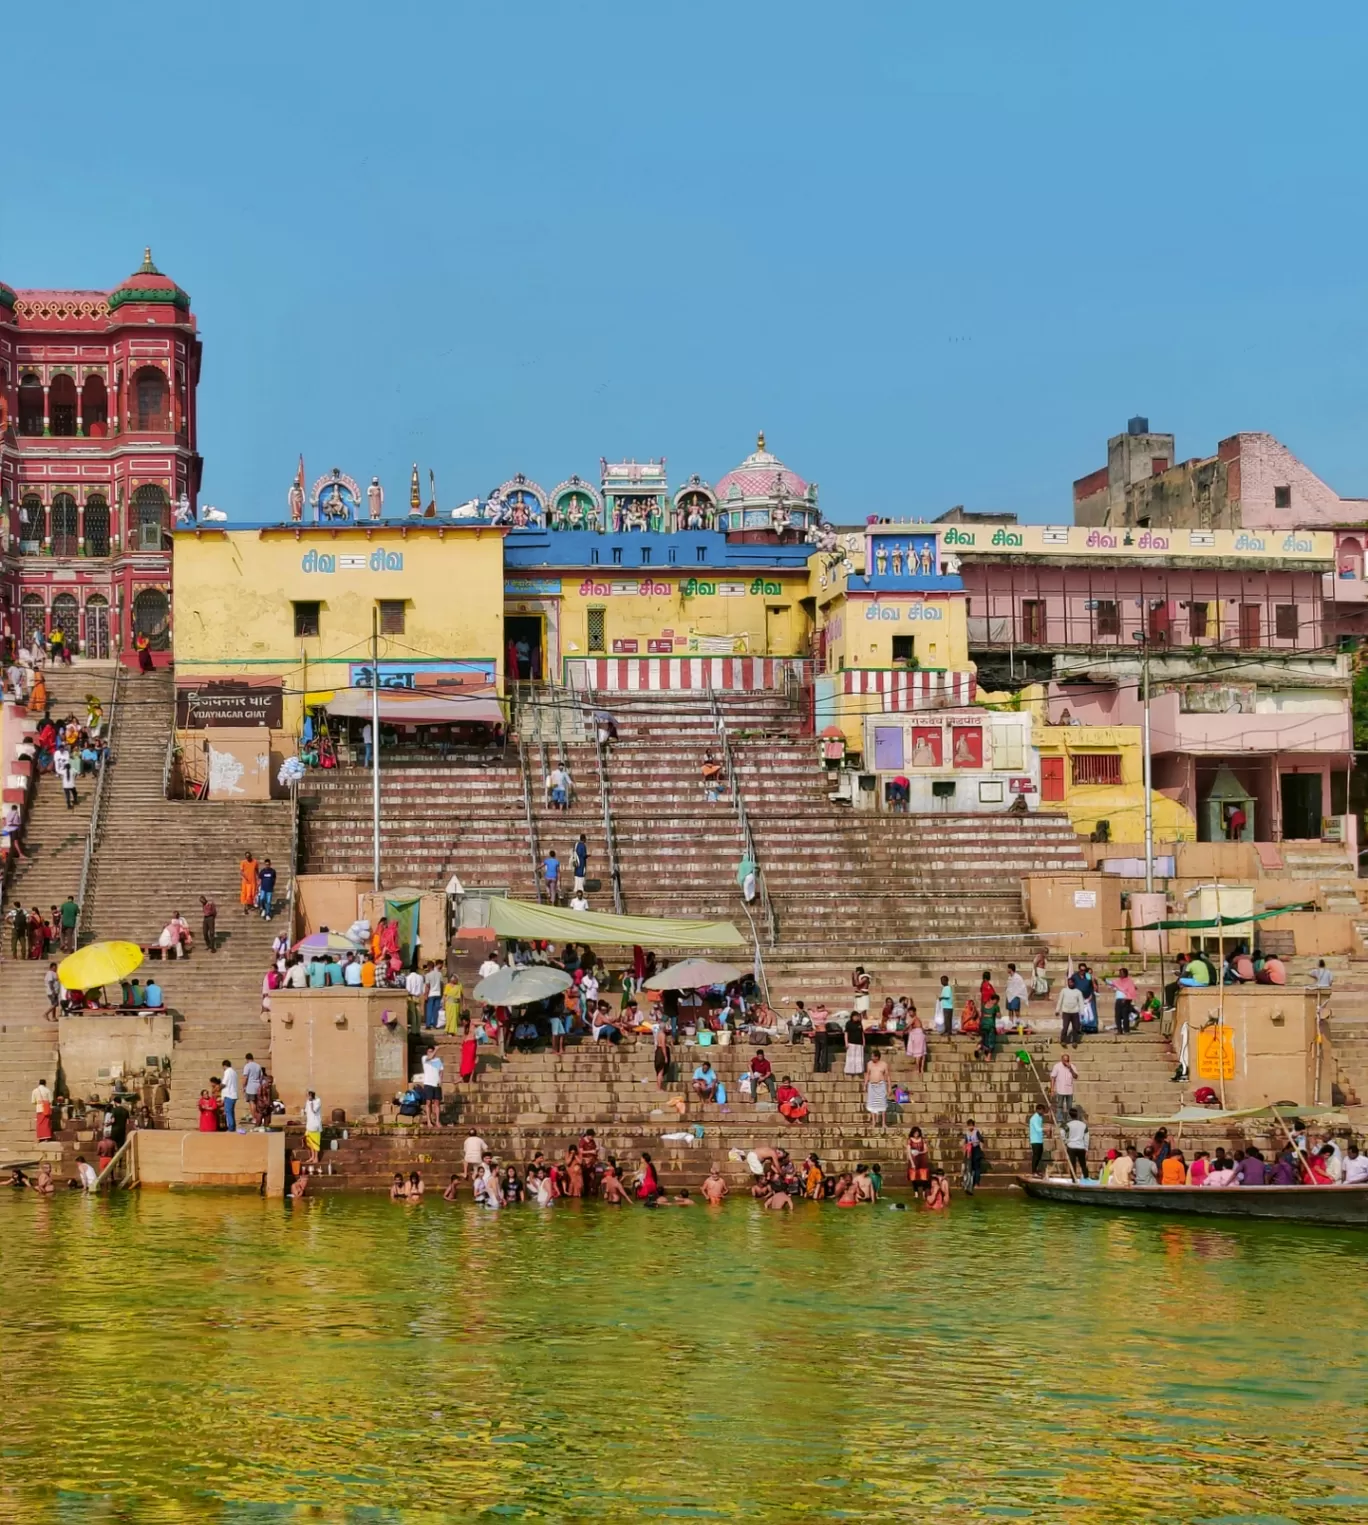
{"type": "Point", "coordinates": [872, 626]}
{"type": "Point", "coordinates": [1097, 773]}
{"type": "Point", "coordinates": [671, 611]}
{"type": "Point", "coordinates": [262, 607]}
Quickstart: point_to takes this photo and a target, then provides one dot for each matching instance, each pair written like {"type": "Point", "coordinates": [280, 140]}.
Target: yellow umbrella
{"type": "Point", "coordinates": [99, 964]}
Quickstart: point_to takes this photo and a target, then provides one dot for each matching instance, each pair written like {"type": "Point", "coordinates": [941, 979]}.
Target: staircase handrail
{"type": "Point", "coordinates": [742, 819]}
{"type": "Point", "coordinates": [93, 830]}
{"type": "Point", "coordinates": [528, 817]}
{"type": "Point", "coordinates": [609, 834]}
{"type": "Point", "coordinates": [126, 1155]}
{"type": "Point", "coordinates": [294, 860]}
{"type": "Point", "coordinates": [170, 758]}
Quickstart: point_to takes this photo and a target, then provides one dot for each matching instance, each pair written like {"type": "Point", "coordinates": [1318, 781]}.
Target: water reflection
{"type": "Point", "coordinates": [175, 1357]}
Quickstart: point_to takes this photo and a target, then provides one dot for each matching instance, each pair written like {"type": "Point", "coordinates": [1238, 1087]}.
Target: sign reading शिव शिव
{"type": "Point", "coordinates": [373, 561]}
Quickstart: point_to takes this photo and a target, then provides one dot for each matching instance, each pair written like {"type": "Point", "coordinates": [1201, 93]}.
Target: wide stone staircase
{"type": "Point", "coordinates": [460, 813]}
{"type": "Point", "coordinates": [156, 856]}
{"type": "Point", "coordinates": [55, 841]}
{"type": "Point", "coordinates": [522, 1103]}
{"type": "Point", "coordinates": [839, 883]}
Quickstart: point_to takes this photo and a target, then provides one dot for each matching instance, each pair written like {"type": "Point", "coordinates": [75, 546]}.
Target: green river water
{"type": "Point", "coordinates": [169, 1357]}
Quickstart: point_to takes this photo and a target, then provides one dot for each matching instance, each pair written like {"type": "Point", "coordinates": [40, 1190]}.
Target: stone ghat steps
{"type": "Point", "coordinates": [28, 1054]}
{"type": "Point", "coordinates": [1128, 1075]}
{"type": "Point", "coordinates": [155, 860]}
{"type": "Point", "coordinates": [55, 837]}
{"type": "Point", "coordinates": [202, 1044]}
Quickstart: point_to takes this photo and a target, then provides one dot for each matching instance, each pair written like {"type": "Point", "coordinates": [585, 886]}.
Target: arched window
{"type": "Point", "coordinates": [95, 407]}
{"type": "Point", "coordinates": [150, 396]}
{"type": "Point", "coordinates": [96, 622]}
{"type": "Point", "coordinates": [34, 618]}
{"type": "Point", "coordinates": [150, 515]}
{"type": "Point", "coordinates": [30, 524]}
{"type": "Point", "coordinates": [66, 617]}
{"type": "Point", "coordinates": [62, 406]}
{"type": "Point", "coordinates": [96, 525]}
{"type": "Point", "coordinates": [30, 404]}
{"type": "Point", "coordinates": [152, 618]}
{"type": "Point", "coordinates": [66, 540]}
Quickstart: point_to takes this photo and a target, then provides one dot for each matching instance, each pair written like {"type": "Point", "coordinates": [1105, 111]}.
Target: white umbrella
{"type": "Point", "coordinates": [693, 974]}
{"type": "Point", "coordinates": [523, 985]}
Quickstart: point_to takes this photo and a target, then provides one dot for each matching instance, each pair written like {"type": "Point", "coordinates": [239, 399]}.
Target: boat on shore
{"type": "Point", "coordinates": [1338, 1206]}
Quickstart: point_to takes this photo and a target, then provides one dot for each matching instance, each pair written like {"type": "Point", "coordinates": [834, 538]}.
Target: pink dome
{"type": "Point", "coordinates": [761, 475]}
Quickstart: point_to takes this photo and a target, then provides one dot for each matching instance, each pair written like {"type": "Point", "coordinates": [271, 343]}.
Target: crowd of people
{"type": "Point", "coordinates": [68, 746]}
{"type": "Point", "coordinates": [1301, 1159]}
{"type": "Point", "coordinates": [584, 1171]}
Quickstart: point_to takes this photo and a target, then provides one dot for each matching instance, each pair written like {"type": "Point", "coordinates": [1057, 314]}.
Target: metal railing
{"type": "Point", "coordinates": [93, 830]}
{"type": "Point", "coordinates": [122, 1170]}
{"type": "Point", "coordinates": [742, 818]}
{"type": "Point", "coordinates": [169, 761]}
{"type": "Point", "coordinates": [528, 817]}
{"type": "Point", "coordinates": [294, 860]}
{"type": "Point", "coordinates": [609, 834]}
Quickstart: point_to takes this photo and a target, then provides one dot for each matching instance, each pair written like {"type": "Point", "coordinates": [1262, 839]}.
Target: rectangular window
{"type": "Point", "coordinates": [1158, 465]}
{"type": "Point", "coordinates": [1285, 621]}
{"type": "Point", "coordinates": [888, 747]}
{"type": "Point", "coordinates": [1197, 620]}
{"type": "Point", "coordinates": [1033, 621]}
{"type": "Point", "coordinates": [904, 648]}
{"type": "Point", "coordinates": [593, 557]}
{"type": "Point", "coordinates": [617, 555]}
{"type": "Point", "coordinates": [306, 618]}
{"type": "Point", "coordinates": [1096, 767]}
{"type": "Point", "coordinates": [645, 556]}
{"type": "Point", "coordinates": [702, 553]}
{"type": "Point", "coordinates": [1108, 617]}
{"type": "Point", "coordinates": [596, 623]}
{"type": "Point", "coordinates": [1008, 748]}
{"type": "Point", "coordinates": [1282, 497]}
{"type": "Point", "coordinates": [674, 555]}
{"type": "Point", "coordinates": [391, 616]}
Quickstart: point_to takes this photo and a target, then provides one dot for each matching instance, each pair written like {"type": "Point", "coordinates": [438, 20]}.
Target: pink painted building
{"type": "Point", "coordinates": [1253, 482]}
{"type": "Point", "coordinates": [1238, 633]}
{"type": "Point", "coordinates": [97, 451]}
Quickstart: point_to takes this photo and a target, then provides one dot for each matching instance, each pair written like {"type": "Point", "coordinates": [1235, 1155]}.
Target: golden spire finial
{"type": "Point", "coordinates": [760, 442]}
{"type": "Point", "coordinates": [148, 268]}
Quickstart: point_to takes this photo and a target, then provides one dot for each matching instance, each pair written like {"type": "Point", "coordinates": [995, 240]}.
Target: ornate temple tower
{"type": "Point", "coordinates": [97, 453]}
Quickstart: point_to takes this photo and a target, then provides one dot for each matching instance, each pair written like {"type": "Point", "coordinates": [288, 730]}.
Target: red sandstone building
{"type": "Point", "coordinates": [97, 447]}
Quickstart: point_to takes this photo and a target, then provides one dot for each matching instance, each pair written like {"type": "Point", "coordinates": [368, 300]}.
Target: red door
{"type": "Point", "coordinates": [1051, 780]}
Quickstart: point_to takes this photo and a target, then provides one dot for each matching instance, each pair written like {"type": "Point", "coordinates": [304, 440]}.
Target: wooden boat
{"type": "Point", "coordinates": [1342, 1206]}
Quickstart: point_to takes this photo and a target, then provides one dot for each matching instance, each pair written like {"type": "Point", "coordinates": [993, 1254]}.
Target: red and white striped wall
{"type": "Point", "coordinates": [908, 690]}
{"type": "Point", "coordinates": [665, 674]}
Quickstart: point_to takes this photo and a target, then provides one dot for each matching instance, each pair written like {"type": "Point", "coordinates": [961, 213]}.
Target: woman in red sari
{"type": "Point", "coordinates": [208, 1113]}
{"type": "Point", "coordinates": [469, 1050]}
{"type": "Point", "coordinates": [648, 1187]}
{"type": "Point", "coordinates": [37, 934]}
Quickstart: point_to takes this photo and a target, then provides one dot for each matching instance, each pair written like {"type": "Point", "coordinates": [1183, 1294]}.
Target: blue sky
{"type": "Point", "coordinates": [938, 253]}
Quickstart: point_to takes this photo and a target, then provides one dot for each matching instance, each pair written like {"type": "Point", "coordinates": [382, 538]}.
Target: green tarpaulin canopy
{"type": "Point", "coordinates": [1221, 921]}
{"type": "Point", "coordinates": [520, 918]}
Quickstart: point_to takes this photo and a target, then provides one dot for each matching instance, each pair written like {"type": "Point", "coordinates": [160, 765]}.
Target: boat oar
{"type": "Point", "coordinates": [1297, 1149]}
